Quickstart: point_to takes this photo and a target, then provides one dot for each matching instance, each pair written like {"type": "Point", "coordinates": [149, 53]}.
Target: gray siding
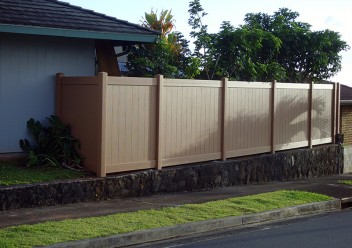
{"type": "Point", "coordinates": [28, 65]}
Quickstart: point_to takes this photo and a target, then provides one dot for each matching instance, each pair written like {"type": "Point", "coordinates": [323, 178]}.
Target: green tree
{"type": "Point", "coordinates": [246, 54]}
{"type": "Point", "coordinates": [266, 47]}
{"type": "Point", "coordinates": [238, 53]}
{"type": "Point", "coordinates": [150, 60]}
{"type": "Point", "coordinates": [203, 40]}
{"type": "Point", "coordinates": [169, 56]}
{"type": "Point", "coordinates": [305, 55]}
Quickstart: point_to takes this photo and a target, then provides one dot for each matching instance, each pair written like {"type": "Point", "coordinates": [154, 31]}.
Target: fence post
{"type": "Point", "coordinates": [310, 114]}
{"type": "Point", "coordinates": [334, 113]}
{"type": "Point", "coordinates": [159, 130]}
{"type": "Point", "coordinates": [273, 110]}
{"type": "Point", "coordinates": [58, 106]}
{"type": "Point", "coordinates": [224, 118]}
{"type": "Point", "coordinates": [103, 76]}
{"type": "Point", "coordinates": [338, 108]}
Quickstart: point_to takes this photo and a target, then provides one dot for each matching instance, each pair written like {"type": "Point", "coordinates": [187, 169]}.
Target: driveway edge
{"type": "Point", "coordinates": [163, 233]}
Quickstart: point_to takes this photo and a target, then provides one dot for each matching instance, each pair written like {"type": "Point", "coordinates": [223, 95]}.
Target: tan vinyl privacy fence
{"type": "Point", "coordinates": [129, 124]}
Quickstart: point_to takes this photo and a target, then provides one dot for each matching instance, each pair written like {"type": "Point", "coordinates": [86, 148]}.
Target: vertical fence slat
{"type": "Point", "coordinates": [273, 110]}
{"type": "Point", "coordinates": [334, 112]}
{"type": "Point", "coordinates": [224, 118]}
{"type": "Point", "coordinates": [310, 115]}
{"type": "Point", "coordinates": [338, 108]}
{"type": "Point", "coordinates": [159, 156]}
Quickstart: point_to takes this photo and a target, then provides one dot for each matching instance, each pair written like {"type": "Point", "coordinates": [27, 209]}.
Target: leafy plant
{"type": "Point", "coordinates": [170, 55]}
{"type": "Point", "coordinates": [54, 144]}
{"type": "Point", "coordinates": [204, 47]}
{"type": "Point", "coordinates": [265, 48]}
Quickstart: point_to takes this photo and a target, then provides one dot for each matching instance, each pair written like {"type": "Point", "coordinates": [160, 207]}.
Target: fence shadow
{"type": "Point", "coordinates": [251, 130]}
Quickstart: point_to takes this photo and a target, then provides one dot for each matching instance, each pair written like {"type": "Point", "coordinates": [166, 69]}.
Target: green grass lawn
{"type": "Point", "coordinates": [12, 174]}
{"type": "Point", "coordinates": [69, 230]}
{"type": "Point", "coordinates": [347, 182]}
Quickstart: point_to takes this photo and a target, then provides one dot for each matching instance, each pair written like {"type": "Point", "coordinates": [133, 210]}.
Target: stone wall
{"type": "Point", "coordinates": [288, 165]}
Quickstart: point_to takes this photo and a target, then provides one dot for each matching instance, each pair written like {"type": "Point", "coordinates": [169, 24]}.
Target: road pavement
{"type": "Point", "coordinates": [319, 231]}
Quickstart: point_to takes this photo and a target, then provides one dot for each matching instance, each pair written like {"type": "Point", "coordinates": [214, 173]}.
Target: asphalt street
{"type": "Point", "coordinates": [320, 231]}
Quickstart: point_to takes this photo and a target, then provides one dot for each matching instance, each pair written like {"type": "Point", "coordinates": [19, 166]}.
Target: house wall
{"type": "Point", "coordinates": [28, 65]}
{"type": "Point", "coordinates": [346, 123]}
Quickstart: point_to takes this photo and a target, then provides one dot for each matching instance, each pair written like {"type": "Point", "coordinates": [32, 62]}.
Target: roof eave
{"type": "Point", "coordinates": [73, 33]}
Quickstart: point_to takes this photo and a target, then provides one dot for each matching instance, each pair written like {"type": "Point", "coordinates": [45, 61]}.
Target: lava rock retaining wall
{"type": "Point", "coordinates": [288, 165]}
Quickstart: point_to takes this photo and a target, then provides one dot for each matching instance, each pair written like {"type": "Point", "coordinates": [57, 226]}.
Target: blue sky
{"type": "Point", "coordinates": [321, 14]}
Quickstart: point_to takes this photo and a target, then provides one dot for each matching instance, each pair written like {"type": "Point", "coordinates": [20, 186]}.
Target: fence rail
{"type": "Point", "coordinates": [138, 123]}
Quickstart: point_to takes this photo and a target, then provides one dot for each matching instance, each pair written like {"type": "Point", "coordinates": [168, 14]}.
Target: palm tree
{"type": "Point", "coordinates": [163, 23]}
{"type": "Point", "coordinates": [169, 55]}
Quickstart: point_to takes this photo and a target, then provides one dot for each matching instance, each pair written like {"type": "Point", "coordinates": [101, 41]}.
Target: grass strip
{"type": "Point", "coordinates": [77, 229]}
{"type": "Point", "coordinates": [347, 182]}
{"type": "Point", "coordinates": [11, 174]}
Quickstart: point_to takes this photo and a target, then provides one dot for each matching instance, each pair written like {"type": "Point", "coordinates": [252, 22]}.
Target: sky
{"type": "Point", "coordinates": [335, 15]}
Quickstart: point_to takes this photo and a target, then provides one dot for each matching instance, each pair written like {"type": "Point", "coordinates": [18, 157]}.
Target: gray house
{"type": "Point", "coordinates": [42, 37]}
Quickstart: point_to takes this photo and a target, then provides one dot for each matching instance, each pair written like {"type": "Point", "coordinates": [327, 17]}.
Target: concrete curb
{"type": "Point", "coordinates": [163, 233]}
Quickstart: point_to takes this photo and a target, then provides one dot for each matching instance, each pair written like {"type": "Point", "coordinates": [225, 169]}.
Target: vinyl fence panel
{"type": "Point", "coordinates": [127, 124]}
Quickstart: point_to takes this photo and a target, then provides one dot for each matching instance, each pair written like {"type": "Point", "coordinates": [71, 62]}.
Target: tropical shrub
{"type": "Point", "coordinates": [53, 144]}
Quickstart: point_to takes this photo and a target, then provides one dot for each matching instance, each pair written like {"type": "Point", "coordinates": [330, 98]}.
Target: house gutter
{"type": "Point", "coordinates": [71, 33]}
